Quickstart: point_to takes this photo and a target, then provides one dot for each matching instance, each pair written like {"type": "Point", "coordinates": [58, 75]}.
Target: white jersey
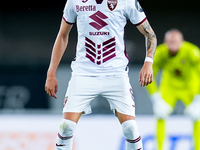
{"type": "Point", "coordinates": [100, 26]}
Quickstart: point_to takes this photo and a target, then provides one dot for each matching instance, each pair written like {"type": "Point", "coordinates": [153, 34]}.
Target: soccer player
{"type": "Point", "coordinates": [100, 66]}
{"type": "Point", "coordinates": [180, 64]}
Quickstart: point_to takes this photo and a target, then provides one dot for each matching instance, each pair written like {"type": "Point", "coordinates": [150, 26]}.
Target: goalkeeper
{"type": "Point", "coordinates": [180, 64]}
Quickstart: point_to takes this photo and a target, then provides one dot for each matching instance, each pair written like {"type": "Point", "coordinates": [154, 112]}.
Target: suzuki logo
{"type": "Point", "coordinates": [98, 18]}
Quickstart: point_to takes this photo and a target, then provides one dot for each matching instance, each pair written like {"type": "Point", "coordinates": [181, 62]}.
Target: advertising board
{"type": "Point", "coordinates": [93, 132]}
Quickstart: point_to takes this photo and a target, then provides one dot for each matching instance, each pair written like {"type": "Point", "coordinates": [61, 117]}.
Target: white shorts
{"type": "Point", "coordinates": [115, 88]}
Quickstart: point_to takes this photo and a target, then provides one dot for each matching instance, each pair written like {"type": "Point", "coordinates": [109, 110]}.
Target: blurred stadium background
{"type": "Point", "coordinates": [29, 118]}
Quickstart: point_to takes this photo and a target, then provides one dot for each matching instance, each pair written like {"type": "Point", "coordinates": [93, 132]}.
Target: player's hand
{"type": "Point", "coordinates": [146, 74]}
{"type": "Point", "coordinates": [51, 86]}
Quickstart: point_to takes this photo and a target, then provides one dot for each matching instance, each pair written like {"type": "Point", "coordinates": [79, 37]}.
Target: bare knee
{"type": "Point", "coordinates": [122, 117]}
{"type": "Point", "coordinates": [72, 116]}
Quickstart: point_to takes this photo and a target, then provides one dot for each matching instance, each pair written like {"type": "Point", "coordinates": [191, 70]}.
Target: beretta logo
{"type": "Point", "coordinates": [112, 4]}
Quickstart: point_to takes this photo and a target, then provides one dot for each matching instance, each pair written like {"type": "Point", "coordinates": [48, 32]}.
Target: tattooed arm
{"type": "Point", "coordinates": [150, 36]}
{"type": "Point", "coordinates": [146, 73]}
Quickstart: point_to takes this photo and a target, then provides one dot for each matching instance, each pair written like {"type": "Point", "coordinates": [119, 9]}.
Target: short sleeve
{"type": "Point", "coordinates": [134, 12]}
{"type": "Point", "coordinates": [69, 13]}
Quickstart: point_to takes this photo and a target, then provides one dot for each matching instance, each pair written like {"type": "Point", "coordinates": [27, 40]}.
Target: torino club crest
{"type": "Point", "coordinates": [112, 4]}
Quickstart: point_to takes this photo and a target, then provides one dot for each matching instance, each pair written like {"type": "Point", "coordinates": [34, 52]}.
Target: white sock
{"type": "Point", "coordinates": [65, 135]}
{"type": "Point", "coordinates": [133, 139]}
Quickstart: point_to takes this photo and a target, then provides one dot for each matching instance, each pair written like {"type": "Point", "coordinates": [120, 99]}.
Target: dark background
{"type": "Point", "coordinates": [28, 30]}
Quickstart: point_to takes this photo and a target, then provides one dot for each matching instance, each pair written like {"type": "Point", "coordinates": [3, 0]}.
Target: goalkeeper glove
{"type": "Point", "coordinates": [161, 109]}
{"type": "Point", "coordinates": [193, 110]}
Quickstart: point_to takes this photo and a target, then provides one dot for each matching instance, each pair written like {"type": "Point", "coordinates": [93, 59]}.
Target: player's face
{"type": "Point", "coordinates": [173, 41]}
